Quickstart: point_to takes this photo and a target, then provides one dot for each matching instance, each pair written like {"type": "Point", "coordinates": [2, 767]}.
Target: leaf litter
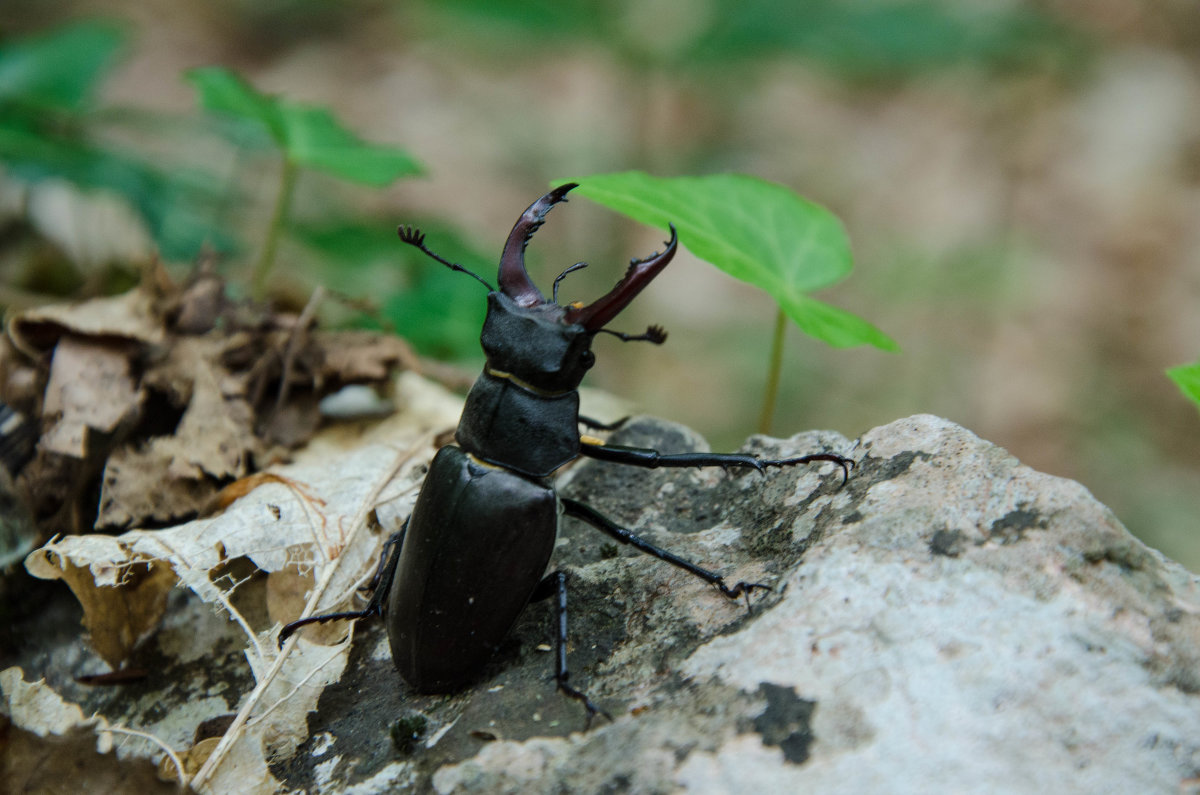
{"type": "Point", "coordinates": [101, 385]}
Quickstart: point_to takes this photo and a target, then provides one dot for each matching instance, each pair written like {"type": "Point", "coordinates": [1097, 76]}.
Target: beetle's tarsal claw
{"type": "Point", "coordinates": [411, 235]}
{"type": "Point", "coordinates": [592, 709]}
{"type": "Point", "coordinates": [741, 588]}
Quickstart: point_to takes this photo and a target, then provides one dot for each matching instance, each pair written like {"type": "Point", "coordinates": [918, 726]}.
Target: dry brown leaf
{"type": "Point", "coordinates": [90, 391]}
{"type": "Point", "coordinates": [192, 760]}
{"type": "Point", "coordinates": [355, 356]}
{"type": "Point", "coordinates": [131, 316]}
{"type": "Point", "coordinates": [118, 617]}
{"type": "Point", "coordinates": [177, 390]}
{"type": "Point", "coordinates": [175, 476]}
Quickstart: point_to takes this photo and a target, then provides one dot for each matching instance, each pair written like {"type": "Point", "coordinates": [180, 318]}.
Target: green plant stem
{"type": "Point", "coordinates": [773, 371]}
{"type": "Point", "coordinates": [266, 260]}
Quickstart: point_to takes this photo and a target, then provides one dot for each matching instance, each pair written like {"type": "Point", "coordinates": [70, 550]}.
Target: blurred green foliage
{"type": "Point", "coordinates": [305, 136]}
{"type": "Point", "coordinates": [1187, 378]}
{"type": "Point", "coordinates": [863, 39]}
{"type": "Point", "coordinates": [50, 129]}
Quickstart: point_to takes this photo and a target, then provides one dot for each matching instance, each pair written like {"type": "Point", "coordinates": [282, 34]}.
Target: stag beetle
{"type": "Point", "coordinates": [474, 552]}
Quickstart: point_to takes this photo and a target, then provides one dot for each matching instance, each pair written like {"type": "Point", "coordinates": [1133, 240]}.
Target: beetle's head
{"type": "Point", "coordinates": [538, 341]}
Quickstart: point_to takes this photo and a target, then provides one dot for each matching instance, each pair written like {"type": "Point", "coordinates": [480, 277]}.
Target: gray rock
{"type": "Point", "coordinates": [949, 620]}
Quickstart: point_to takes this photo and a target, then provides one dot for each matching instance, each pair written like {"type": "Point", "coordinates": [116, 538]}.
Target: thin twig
{"type": "Point", "coordinates": [222, 597]}
{"type": "Point", "coordinates": [299, 330]}
{"type": "Point", "coordinates": [174, 757]}
{"type": "Point", "coordinates": [296, 689]}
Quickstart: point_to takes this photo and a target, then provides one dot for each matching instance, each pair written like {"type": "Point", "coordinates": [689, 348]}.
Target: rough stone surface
{"type": "Point", "coordinates": [946, 621]}
{"type": "Point", "coordinates": [949, 620]}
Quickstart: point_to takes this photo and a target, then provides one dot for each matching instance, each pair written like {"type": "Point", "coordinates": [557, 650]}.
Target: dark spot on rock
{"type": "Point", "coordinates": [786, 722]}
{"type": "Point", "coordinates": [1011, 527]}
{"type": "Point", "coordinates": [852, 517]}
{"type": "Point", "coordinates": [408, 731]}
{"type": "Point", "coordinates": [947, 542]}
{"type": "Point", "coordinates": [894, 467]}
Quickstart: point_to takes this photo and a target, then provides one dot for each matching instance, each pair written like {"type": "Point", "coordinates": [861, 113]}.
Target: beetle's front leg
{"type": "Point", "coordinates": [380, 584]}
{"type": "Point", "coordinates": [602, 523]}
{"type": "Point", "coordinates": [652, 459]}
{"type": "Point", "coordinates": [555, 585]}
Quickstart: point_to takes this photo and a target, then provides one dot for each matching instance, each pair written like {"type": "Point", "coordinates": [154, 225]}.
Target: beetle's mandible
{"type": "Point", "coordinates": [475, 550]}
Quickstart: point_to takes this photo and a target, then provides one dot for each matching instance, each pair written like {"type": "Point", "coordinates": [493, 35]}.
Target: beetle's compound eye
{"type": "Point", "coordinates": [587, 359]}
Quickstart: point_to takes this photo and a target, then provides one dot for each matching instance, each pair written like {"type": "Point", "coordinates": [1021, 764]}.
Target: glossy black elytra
{"type": "Point", "coordinates": [474, 551]}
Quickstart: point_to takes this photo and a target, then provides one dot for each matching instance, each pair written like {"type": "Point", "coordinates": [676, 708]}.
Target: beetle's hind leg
{"type": "Point", "coordinates": [605, 525]}
{"type": "Point", "coordinates": [381, 583]}
{"type": "Point", "coordinates": [555, 584]}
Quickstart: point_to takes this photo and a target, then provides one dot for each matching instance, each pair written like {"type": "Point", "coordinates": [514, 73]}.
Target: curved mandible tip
{"type": "Point", "coordinates": [514, 279]}
{"type": "Point", "coordinates": [597, 314]}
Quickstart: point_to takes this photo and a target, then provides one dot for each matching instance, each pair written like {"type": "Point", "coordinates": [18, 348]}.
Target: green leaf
{"type": "Point", "coordinates": [314, 138]}
{"type": "Point", "coordinates": [1187, 378]}
{"type": "Point", "coordinates": [307, 136]}
{"type": "Point", "coordinates": [221, 91]}
{"type": "Point", "coordinates": [59, 69]}
{"type": "Point", "coordinates": [754, 230]}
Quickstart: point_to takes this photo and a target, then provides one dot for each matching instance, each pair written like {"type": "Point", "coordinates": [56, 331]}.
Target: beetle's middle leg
{"type": "Point", "coordinates": [602, 523]}
{"type": "Point", "coordinates": [555, 584]}
{"type": "Point", "coordinates": [381, 583]}
{"type": "Point", "coordinates": [652, 459]}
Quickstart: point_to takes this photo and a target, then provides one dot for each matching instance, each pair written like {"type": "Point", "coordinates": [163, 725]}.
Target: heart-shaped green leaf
{"type": "Point", "coordinates": [307, 135]}
{"type": "Point", "coordinates": [754, 230]}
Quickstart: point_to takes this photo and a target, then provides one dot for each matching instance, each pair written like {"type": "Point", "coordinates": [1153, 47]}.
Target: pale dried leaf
{"type": "Point", "coordinates": [90, 390]}
{"type": "Point", "coordinates": [129, 316]}
{"type": "Point", "coordinates": [287, 593]}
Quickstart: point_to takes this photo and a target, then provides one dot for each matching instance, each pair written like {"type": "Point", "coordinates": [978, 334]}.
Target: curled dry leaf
{"type": "Point", "coordinates": [133, 316]}
{"type": "Point", "coordinates": [119, 616]}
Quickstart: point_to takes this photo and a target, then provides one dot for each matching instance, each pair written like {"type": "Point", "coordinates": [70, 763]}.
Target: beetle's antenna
{"type": "Point", "coordinates": [655, 334]}
{"type": "Point", "coordinates": [415, 237]}
{"type": "Point", "coordinates": [578, 266]}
